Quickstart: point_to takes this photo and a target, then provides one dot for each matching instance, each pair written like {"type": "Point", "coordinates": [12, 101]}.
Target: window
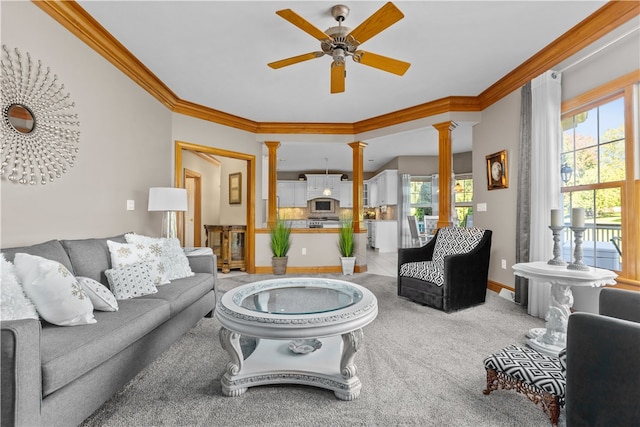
{"type": "Point", "coordinates": [598, 176]}
{"type": "Point", "coordinates": [463, 194]}
{"type": "Point", "coordinates": [420, 196]}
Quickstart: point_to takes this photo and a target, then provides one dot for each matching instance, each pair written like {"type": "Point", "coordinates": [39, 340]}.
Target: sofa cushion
{"type": "Point", "coordinates": [175, 262]}
{"type": "Point", "coordinates": [126, 254]}
{"type": "Point", "coordinates": [100, 296]}
{"type": "Point", "coordinates": [90, 257]}
{"type": "Point", "coordinates": [428, 271]}
{"type": "Point", "coordinates": [181, 293]}
{"type": "Point", "coordinates": [52, 250]}
{"type": "Point", "coordinates": [68, 353]}
{"type": "Point", "coordinates": [131, 281]}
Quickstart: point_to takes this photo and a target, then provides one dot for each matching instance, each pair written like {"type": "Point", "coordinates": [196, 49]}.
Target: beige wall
{"type": "Point", "coordinates": [210, 190]}
{"type": "Point", "coordinates": [125, 144]}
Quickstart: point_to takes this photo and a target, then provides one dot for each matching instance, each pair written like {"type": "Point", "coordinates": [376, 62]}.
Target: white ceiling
{"type": "Point", "coordinates": [215, 53]}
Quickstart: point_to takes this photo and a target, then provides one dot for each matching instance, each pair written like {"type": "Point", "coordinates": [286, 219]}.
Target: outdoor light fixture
{"type": "Point", "coordinates": [565, 173]}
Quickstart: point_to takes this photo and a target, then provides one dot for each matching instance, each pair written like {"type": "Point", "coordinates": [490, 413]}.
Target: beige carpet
{"type": "Point", "coordinates": [418, 367]}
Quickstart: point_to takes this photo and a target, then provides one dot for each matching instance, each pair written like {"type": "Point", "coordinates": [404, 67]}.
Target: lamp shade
{"type": "Point", "coordinates": [167, 199]}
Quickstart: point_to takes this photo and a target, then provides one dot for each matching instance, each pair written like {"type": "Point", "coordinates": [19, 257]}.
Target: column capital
{"type": "Point", "coordinates": [445, 126]}
{"type": "Point", "coordinates": [272, 144]}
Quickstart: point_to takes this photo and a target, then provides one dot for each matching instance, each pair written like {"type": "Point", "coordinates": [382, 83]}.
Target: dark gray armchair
{"type": "Point", "coordinates": [448, 273]}
{"type": "Point", "coordinates": [603, 362]}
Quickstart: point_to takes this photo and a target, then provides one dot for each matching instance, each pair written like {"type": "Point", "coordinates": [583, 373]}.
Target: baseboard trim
{"type": "Point", "coordinates": [497, 287]}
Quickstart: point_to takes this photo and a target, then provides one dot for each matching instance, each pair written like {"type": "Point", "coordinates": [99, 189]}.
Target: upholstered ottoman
{"type": "Point", "coordinates": [541, 378]}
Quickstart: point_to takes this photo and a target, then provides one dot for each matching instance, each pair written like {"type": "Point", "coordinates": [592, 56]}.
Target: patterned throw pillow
{"type": "Point", "coordinates": [100, 296]}
{"type": "Point", "coordinates": [125, 254]}
{"type": "Point", "coordinates": [131, 281]}
{"type": "Point", "coordinates": [175, 261]}
{"type": "Point", "coordinates": [14, 304]}
{"type": "Point", "coordinates": [54, 291]}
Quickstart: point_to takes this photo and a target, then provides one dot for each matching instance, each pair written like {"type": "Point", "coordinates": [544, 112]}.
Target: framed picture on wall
{"type": "Point", "coordinates": [497, 176]}
{"type": "Point", "coordinates": [235, 188]}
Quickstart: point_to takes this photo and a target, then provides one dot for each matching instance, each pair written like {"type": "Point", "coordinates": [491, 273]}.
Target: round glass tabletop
{"type": "Point", "coordinates": [298, 300]}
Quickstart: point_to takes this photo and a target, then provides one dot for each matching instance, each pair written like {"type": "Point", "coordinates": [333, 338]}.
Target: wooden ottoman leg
{"type": "Point", "coordinates": [492, 381]}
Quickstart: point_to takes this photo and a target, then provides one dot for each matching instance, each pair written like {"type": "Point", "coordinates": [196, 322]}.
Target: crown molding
{"type": "Point", "coordinates": [74, 18]}
{"type": "Point", "coordinates": [601, 22]}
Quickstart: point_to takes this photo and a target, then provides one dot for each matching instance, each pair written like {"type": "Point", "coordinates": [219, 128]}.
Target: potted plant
{"type": "Point", "coordinates": [280, 233]}
{"type": "Point", "coordinates": [346, 245]}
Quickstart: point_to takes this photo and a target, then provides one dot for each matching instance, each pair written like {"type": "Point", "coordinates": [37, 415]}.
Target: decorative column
{"type": "Point", "coordinates": [273, 181]}
{"type": "Point", "coordinates": [358, 183]}
{"type": "Point", "coordinates": [445, 170]}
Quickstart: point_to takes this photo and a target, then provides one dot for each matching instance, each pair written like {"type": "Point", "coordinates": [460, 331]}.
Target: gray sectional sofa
{"type": "Point", "coordinates": [54, 376]}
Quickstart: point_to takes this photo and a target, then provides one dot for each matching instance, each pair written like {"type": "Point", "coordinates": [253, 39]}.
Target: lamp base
{"type": "Point", "coordinates": [169, 225]}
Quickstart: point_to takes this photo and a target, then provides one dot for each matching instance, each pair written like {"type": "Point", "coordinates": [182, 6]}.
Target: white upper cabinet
{"type": "Point", "coordinates": [383, 189]}
{"type": "Point", "coordinates": [316, 183]}
{"type": "Point", "coordinates": [346, 194]}
{"type": "Point", "coordinates": [292, 194]}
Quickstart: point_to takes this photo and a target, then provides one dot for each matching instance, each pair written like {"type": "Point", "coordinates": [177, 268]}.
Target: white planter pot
{"type": "Point", "coordinates": [348, 265]}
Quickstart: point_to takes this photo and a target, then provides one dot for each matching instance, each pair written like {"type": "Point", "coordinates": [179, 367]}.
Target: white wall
{"type": "Point", "coordinates": [210, 190]}
{"type": "Point", "coordinates": [125, 143]}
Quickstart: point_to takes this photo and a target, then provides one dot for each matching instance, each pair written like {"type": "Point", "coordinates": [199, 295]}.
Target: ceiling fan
{"type": "Point", "coordinates": [340, 42]}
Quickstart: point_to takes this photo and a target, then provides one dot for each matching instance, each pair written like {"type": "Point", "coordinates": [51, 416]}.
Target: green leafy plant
{"type": "Point", "coordinates": [345, 237]}
{"type": "Point", "coordinates": [280, 238]}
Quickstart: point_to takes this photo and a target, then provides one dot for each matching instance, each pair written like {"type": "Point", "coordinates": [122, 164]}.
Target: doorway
{"type": "Point", "coordinates": [180, 179]}
{"type": "Point", "coordinates": [193, 222]}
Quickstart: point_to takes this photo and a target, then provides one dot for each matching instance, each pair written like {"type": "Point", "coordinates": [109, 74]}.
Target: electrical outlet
{"type": "Point", "coordinates": [482, 207]}
{"type": "Point", "coordinates": [504, 264]}
{"type": "Point", "coordinates": [304, 251]}
{"type": "Point", "coordinates": [131, 205]}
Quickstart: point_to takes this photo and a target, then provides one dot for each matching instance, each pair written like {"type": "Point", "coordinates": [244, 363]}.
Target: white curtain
{"type": "Point", "coordinates": [546, 138]}
{"type": "Point", "coordinates": [405, 209]}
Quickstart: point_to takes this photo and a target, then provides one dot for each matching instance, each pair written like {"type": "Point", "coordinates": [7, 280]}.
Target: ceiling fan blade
{"type": "Point", "coordinates": [303, 24]}
{"type": "Point", "coordinates": [380, 62]}
{"type": "Point", "coordinates": [386, 16]}
{"type": "Point", "coordinates": [295, 59]}
{"type": "Point", "coordinates": [337, 77]}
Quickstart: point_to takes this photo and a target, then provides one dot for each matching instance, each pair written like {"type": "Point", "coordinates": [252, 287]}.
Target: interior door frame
{"type": "Point", "coordinates": [250, 184]}
{"type": "Point", "coordinates": [197, 207]}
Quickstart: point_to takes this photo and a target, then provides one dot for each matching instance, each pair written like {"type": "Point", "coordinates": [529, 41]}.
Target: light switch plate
{"type": "Point", "coordinates": [482, 207]}
{"type": "Point", "coordinates": [131, 205]}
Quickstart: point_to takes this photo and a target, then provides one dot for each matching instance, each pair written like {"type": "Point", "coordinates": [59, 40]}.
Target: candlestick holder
{"type": "Point", "coordinates": [557, 259]}
{"type": "Point", "coordinates": [577, 263]}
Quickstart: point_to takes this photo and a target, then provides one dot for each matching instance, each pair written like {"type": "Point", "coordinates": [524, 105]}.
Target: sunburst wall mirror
{"type": "Point", "coordinates": [40, 130]}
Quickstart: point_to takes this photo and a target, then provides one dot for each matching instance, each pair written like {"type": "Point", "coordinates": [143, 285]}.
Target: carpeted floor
{"type": "Point", "coordinates": [418, 366]}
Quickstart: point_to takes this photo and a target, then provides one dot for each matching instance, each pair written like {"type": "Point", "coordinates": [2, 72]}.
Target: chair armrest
{"type": "Point", "coordinates": [21, 372]}
{"type": "Point", "coordinates": [603, 374]}
{"type": "Point", "coordinates": [423, 253]}
{"type": "Point", "coordinates": [620, 303]}
{"type": "Point", "coordinates": [471, 268]}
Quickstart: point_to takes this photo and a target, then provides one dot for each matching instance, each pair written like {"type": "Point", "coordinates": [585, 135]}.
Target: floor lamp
{"type": "Point", "coordinates": [169, 200]}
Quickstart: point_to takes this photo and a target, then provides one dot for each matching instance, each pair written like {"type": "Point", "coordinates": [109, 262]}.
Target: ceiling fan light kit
{"type": "Point", "coordinates": [340, 42]}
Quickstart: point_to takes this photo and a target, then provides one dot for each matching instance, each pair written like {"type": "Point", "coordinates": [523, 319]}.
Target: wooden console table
{"type": "Point", "coordinates": [228, 243]}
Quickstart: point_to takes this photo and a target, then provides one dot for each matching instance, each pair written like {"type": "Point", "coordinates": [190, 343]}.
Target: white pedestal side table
{"type": "Point", "coordinates": [552, 339]}
{"type": "Point", "coordinates": [308, 331]}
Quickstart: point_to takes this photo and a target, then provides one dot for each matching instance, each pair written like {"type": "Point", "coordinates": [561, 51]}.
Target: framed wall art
{"type": "Point", "coordinates": [497, 172]}
{"type": "Point", "coordinates": [235, 188]}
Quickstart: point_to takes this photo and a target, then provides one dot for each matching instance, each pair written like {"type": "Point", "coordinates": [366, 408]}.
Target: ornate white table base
{"type": "Point", "coordinates": [331, 367]}
{"type": "Point", "coordinates": [552, 339]}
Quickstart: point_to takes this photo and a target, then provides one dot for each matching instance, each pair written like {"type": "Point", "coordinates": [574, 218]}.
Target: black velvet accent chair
{"type": "Point", "coordinates": [450, 272]}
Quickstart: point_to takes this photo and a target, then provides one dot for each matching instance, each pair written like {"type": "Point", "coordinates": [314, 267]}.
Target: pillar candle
{"type": "Point", "coordinates": [577, 217]}
{"type": "Point", "coordinates": [556, 218]}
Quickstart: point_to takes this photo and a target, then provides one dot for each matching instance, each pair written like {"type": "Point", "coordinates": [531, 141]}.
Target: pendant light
{"type": "Point", "coordinates": [327, 190]}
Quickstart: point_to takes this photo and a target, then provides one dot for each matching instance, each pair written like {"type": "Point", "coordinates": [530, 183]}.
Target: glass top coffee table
{"type": "Point", "coordinates": [307, 330]}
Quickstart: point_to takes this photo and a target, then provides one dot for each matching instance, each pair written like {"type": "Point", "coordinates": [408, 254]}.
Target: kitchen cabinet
{"type": "Point", "coordinates": [383, 235]}
{"type": "Point", "coordinates": [316, 183]}
{"type": "Point", "coordinates": [383, 189]}
{"type": "Point", "coordinates": [346, 194]}
{"type": "Point", "coordinates": [292, 194]}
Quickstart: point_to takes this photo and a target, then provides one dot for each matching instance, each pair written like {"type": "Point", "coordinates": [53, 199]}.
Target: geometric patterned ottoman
{"type": "Point", "coordinates": [541, 378]}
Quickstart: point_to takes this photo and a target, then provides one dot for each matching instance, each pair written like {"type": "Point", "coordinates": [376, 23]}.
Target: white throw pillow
{"type": "Point", "coordinates": [100, 296]}
{"type": "Point", "coordinates": [125, 254]}
{"type": "Point", "coordinates": [54, 291]}
{"type": "Point", "coordinates": [175, 261]}
{"type": "Point", "coordinates": [14, 304]}
{"type": "Point", "coordinates": [131, 281]}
